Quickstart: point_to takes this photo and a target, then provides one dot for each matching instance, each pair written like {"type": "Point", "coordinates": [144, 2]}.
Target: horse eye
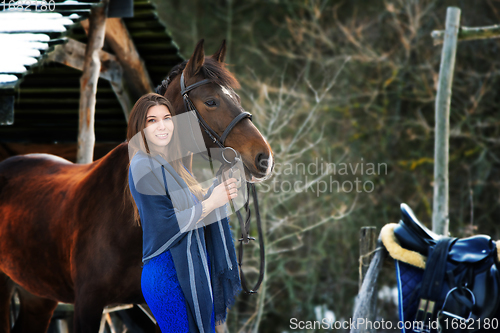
{"type": "Point", "coordinates": [211, 103]}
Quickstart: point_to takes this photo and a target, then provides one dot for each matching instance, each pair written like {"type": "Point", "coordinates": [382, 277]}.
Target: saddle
{"type": "Point", "coordinates": [459, 288]}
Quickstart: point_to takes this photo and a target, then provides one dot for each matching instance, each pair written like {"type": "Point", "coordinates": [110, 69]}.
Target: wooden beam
{"type": "Point", "coordinates": [145, 308]}
{"type": "Point", "coordinates": [440, 218]}
{"type": "Point", "coordinates": [72, 54]}
{"type": "Point", "coordinates": [135, 73]}
{"type": "Point", "coordinates": [134, 68]}
{"type": "Point", "coordinates": [88, 83]}
{"type": "Point", "coordinates": [466, 33]}
{"type": "Point", "coordinates": [123, 96]}
{"type": "Point", "coordinates": [109, 309]}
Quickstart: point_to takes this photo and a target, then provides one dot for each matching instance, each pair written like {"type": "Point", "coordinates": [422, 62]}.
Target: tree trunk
{"type": "Point", "coordinates": [440, 217]}
{"type": "Point", "coordinates": [88, 83]}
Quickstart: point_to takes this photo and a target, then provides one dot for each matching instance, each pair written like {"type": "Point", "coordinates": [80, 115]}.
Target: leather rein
{"type": "Point", "coordinates": [244, 223]}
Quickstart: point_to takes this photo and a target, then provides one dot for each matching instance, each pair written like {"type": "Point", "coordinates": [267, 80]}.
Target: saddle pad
{"type": "Point", "coordinates": [408, 277]}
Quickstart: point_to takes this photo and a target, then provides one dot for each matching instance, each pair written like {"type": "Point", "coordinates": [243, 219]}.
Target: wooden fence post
{"type": "Point", "coordinates": [367, 244]}
{"type": "Point", "coordinates": [88, 83]}
{"type": "Point", "coordinates": [440, 218]}
{"type": "Point", "coordinates": [366, 301]}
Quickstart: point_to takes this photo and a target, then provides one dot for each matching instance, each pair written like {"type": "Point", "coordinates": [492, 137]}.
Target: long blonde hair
{"type": "Point", "coordinates": [137, 123]}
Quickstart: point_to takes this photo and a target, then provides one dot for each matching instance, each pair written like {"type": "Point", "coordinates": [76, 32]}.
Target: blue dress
{"type": "Point", "coordinates": [163, 294]}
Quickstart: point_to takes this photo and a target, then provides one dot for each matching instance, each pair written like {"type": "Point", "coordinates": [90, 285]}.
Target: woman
{"type": "Point", "coordinates": [190, 274]}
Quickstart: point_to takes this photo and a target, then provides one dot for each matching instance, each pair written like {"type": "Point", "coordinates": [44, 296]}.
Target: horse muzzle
{"type": "Point", "coordinates": [261, 176]}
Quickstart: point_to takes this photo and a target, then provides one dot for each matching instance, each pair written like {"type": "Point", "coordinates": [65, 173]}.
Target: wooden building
{"type": "Point", "coordinates": [40, 112]}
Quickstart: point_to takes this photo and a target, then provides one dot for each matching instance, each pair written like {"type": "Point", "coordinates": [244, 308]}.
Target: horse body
{"type": "Point", "coordinates": [72, 249]}
{"type": "Point", "coordinates": [26, 213]}
{"type": "Point", "coordinates": [67, 232]}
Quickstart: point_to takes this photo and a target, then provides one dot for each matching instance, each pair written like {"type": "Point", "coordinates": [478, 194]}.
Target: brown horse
{"type": "Point", "coordinates": [67, 231]}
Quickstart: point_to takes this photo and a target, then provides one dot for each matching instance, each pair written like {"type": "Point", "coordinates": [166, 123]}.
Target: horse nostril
{"type": "Point", "coordinates": [262, 162]}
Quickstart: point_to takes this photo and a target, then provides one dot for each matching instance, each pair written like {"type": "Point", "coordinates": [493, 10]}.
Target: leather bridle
{"type": "Point", "coordinates": [220, 140]}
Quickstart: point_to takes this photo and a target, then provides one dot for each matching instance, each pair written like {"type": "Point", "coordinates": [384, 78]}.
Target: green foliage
{"type": "Point", "coordinates": [350, 82]}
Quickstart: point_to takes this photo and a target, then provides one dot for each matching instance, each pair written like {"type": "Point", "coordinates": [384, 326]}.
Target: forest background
{"type": "Point", "coordinates": [350, 82]}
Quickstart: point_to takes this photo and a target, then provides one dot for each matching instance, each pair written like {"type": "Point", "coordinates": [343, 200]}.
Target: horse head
{"type": "Point", "coordinates": [218, 105]}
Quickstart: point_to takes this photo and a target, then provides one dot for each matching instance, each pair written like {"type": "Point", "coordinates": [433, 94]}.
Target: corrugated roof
{"type": "Point", "coordinates": [47, 100]}
{"type": "Point", "coordinates": [28, 32]}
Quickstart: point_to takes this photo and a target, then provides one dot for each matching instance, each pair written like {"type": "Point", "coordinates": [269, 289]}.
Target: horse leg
{"type": "Point", "coordinates": [6, 292]}
{"type": "Point", "coordinates": [88, 312]}
{"type": "Point", "coordinates": [34, 314]}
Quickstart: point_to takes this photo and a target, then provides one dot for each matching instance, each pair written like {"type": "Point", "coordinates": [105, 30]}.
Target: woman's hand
{"type": "Point", "coordinates": [223, 192]}
{"type": "Point", "coordinates": [219, 197]}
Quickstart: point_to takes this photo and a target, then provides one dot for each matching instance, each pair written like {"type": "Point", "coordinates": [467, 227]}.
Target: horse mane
{"type": "Point", "coordinates": [211, 69]}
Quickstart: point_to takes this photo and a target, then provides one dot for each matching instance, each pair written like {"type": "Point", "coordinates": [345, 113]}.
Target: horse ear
{"type": "Point", "coordinates": [221, 54]}
{"type": "Point", "coordinates": [196, 61]}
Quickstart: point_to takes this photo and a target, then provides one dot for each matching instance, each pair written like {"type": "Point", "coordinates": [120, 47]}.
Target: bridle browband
{"type": "Point", "coordinates": [220, 140]}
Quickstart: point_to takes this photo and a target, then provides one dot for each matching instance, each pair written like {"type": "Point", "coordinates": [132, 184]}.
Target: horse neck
{"type": "Point", "coordinates": [114, 165]}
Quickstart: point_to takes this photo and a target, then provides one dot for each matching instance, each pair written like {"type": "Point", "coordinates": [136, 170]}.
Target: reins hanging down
{"type": "Point", "coordinates": [244, 223]}
{"type": "Point", "coordinates": [245, 228]}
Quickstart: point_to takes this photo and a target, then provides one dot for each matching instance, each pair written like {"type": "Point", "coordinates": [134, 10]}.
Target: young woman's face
{"type": "Point", "coordinates": [159, 126]}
